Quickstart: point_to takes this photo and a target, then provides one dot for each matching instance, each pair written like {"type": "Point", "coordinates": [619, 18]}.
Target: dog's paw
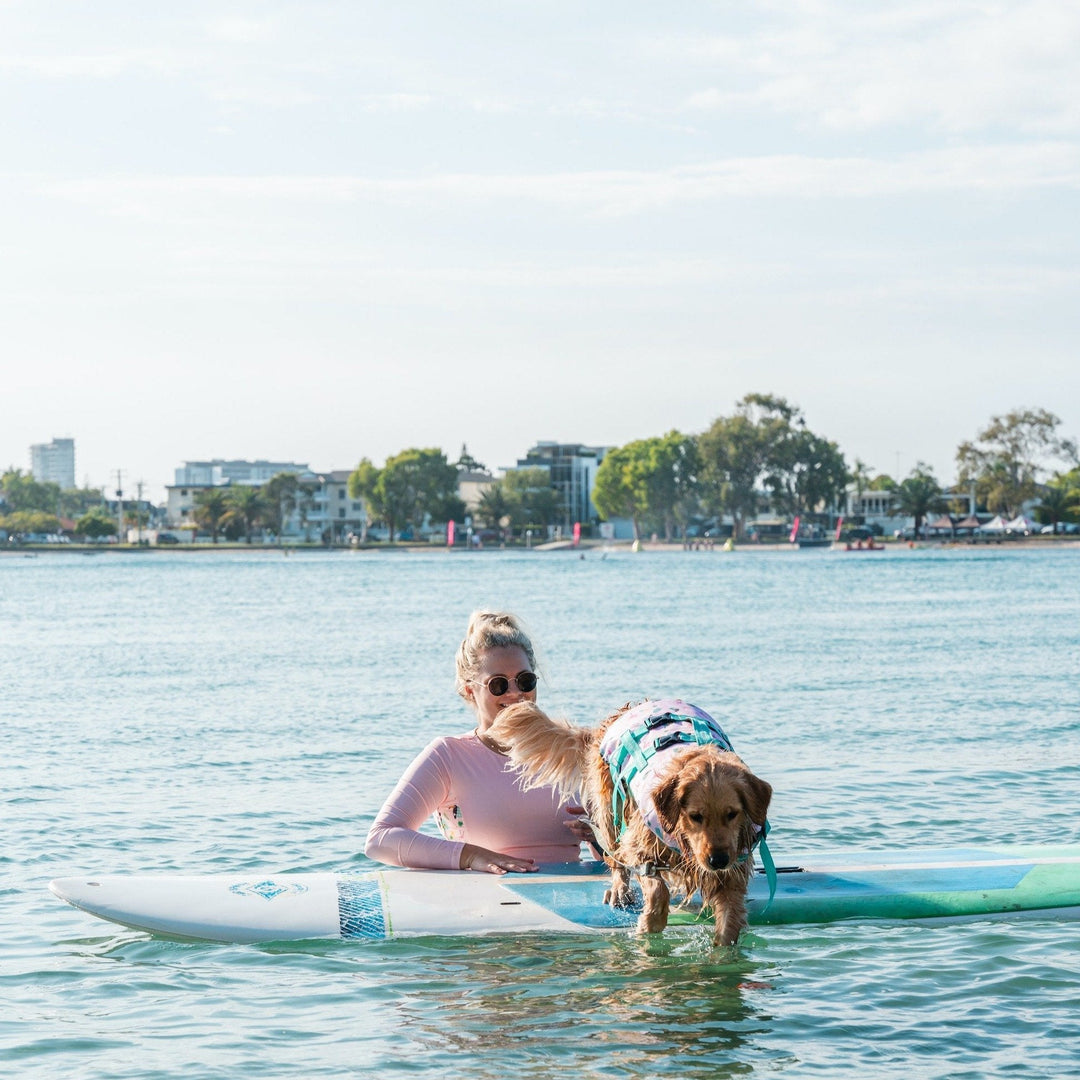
{"type": "Point", "coordinates": [652, 922]}
{"type": "Point", "coordinates": [620, 897]}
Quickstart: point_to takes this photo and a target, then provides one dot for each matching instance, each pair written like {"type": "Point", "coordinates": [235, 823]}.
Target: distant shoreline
{"type": "Point", "coordinates": [600, 547]}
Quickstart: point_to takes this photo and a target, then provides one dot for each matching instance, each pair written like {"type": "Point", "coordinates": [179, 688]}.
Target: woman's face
{"type": "Point", "coordinates": [507, 661]}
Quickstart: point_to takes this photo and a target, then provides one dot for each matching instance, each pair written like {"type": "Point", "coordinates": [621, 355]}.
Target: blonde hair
{"type": "Point", "coordinates": [489, 630]}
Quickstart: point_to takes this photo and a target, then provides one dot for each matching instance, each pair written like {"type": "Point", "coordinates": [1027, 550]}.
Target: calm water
{"type": "Point", "coordinates": [209, 712]}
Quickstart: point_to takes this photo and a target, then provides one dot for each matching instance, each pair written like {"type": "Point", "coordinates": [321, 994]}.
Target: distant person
{"type": "Point", "coordinates": [487, 821]}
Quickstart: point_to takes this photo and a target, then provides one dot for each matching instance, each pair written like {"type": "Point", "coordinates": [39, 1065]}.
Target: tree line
{"type": "Point", "coordinates": [418, 486]}
{"type": "Point", "coordinates": [36, 506]}
{"type": "Point", "coordinates": [761, 458]}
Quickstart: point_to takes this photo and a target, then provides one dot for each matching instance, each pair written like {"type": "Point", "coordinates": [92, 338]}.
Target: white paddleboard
{"type": "Point", "coordinates": [390, 903]}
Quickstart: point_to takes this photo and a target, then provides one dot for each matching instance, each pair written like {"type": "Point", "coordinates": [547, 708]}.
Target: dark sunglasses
{"type": "Point", "coordinates": [498, 685]}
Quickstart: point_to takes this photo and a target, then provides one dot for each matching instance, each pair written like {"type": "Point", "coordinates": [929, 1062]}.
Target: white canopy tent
{"type": "Point", "coordinates": [1022, 524]}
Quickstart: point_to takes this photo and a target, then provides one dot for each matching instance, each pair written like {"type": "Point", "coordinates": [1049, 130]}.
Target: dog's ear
{"type": "Point", "coordinates": [666, 801]}
{"type": "Point", "coordinates": [756, 795]}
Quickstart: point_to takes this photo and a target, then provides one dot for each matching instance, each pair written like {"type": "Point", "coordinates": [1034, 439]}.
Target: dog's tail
{"type": "Point", "coordinates": [545, 750]}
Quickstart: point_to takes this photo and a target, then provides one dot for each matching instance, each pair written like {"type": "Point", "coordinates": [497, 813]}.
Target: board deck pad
{"type": "Point", "coordinates": [944, 884]}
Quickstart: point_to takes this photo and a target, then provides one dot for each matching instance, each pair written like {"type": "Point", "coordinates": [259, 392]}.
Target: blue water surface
{"type": "Point", "coordinates": [201, 712]}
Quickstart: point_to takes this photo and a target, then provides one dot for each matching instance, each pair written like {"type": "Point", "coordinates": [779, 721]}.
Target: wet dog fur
{"type": "Point", "coordinates": [706, 799]}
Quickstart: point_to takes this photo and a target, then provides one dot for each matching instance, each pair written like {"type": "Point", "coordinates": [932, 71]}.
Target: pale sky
{"type": "Point", "coordinates": [318, 231]}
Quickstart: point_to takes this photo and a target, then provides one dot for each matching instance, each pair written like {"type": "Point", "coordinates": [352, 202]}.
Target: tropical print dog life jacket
{"type": "Point", "coordinates": [638, 748]}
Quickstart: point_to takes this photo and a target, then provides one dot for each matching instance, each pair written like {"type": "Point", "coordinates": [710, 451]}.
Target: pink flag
{"type": "Point", "coordinates": [794, 531]}
{"type": "Point", "coordinates": [839, 524]}
{"type": "Point", "coordinates": [449, 534]}
{"type": "Point", "coordinates": [577, 533]}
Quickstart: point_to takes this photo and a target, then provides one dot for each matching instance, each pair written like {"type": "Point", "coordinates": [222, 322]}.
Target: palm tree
{"type": "Point", "coordinates": [305, 503]}
{"type": "Point", "coordinates": [860, 477]}
{"type": "Point", "coordinates": [1057, 500]}
{"type": "Point", "coordinates": [493, 506]}
{"type": "Point", "coordinates": [211, 507]}
{"type": "Point", "coordinates": [245, 506]}
{"type": "Point", "coordinates": [918, 494]}
{"type": "Point", "coordinates": [280, 494]}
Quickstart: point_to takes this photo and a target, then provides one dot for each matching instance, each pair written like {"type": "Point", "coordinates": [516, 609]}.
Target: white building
{"type": "Point", "coordinates": [219, 471]}
{"type": "Point", "coordinates": [54, 462]}
{"type": "Point", "coordinates": [333, 515]}
{"type": "Point", "coordinates": [471, 486]}
{"type": "Point", "coordinates": [195, 476]}
{"type": "Point", "coordinates": [323, 509]}
{"type": "Point", "coordinates": [874, 507]}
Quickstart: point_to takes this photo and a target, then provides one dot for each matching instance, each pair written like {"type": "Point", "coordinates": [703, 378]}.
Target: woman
{"type": "Point", "coordinates": [487, 822]}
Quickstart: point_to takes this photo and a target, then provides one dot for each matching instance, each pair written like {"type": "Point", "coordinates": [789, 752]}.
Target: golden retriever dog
{"type": "Point", "coordinates": [667, 798]}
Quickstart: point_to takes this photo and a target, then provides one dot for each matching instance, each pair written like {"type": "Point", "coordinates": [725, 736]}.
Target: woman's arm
{"type": "Point", "coordinates": [394, 836]}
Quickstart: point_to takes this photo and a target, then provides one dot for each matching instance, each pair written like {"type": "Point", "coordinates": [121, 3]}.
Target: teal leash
{"type": "Point", "coordinates": [769, 865]}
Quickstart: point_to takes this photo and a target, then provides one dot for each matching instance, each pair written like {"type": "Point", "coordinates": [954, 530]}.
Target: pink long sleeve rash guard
{"type": "Point", "coordinates": [475, 798]}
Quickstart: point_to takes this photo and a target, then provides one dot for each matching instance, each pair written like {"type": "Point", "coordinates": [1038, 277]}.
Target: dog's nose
{"type": "Point", "coordinates": [718, 860]}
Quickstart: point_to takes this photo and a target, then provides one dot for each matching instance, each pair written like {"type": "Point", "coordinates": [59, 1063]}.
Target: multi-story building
{"type": "Point", "coordinates": [572, 468]}
{"type": "Point", "coordinates": [322, 510]}
{"type": "Point", "coordinates": [195, 476]}
{"type": "Point", "coordinates": [54, 462]}
{"type": "Point", "coordinates": [334, 515]}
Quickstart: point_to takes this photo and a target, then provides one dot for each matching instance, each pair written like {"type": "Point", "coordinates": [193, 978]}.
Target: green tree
{"type": "Point", "coordinates": [211, 506]}
{"type": "Point", "coordinates": [494, 507]}
{"type": "Point", "coordinates": [621, 488]}
{"type": "Point", "coordinates": [412, 486]}
{"type": "Point", "coordinates": [25, 522]}
{"type": "Point", "coordinates": [305, 503]}
{"type": "Point", "coordinates": [245, 508]}
{"type": "Point", "coordinates": [806, 473]}
{"type": "Point", "coordinates": [653, 482]}
{"type": "Point", "coordinates": [882, 482]}
{"type": "Point", "coordinates": [1059, 499]}
{"type": "Point", "coordinates": [531, 500]}
{"type": "Point", "coordinates": [765, 444]}
{"type": "Point", "coordinates": [674, 466]}
{"type": "Point", "coordinates": [860, 478]}
{"type": "Point", "coordinates": [76, 502]}
{"type": "Point", "coordinates": [1007, 456]}
{"type": "Point", "coordinates": [22, 492]}
{"type": "Point", "coordinates": [96, 523]}
{"type": "Point", "coordinates": [918, 495]}
{"type": "Point", "coordinates": [362, 481]}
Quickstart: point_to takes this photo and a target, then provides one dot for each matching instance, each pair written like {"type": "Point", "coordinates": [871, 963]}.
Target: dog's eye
{"type": "Point", "coordinates": [696, 818]}
{"type": "Point", "coordinates": [732, 815]}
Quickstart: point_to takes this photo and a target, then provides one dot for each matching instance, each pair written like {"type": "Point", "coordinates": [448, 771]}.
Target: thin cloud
{"type": "Point", "coordinates": [958, 67]}
{"type": "Point", "coordinates": [626, 192]}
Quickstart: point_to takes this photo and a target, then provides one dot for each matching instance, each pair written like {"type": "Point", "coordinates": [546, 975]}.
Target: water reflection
{"type": "Point", "coordinates": [635, 1007]}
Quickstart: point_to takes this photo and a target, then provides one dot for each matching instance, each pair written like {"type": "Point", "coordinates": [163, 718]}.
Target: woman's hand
{"type": "Point", "coordinates": [493, 862]}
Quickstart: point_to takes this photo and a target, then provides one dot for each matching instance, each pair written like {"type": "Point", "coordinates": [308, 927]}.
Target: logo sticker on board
{"type": "Point", "coordinates": [267, 889]}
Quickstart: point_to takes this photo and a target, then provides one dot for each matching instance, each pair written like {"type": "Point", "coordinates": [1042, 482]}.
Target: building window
{"type": "Point", "coordinates": [341, 512]}
{"type": "Point", "coordinates": [341, 493]}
